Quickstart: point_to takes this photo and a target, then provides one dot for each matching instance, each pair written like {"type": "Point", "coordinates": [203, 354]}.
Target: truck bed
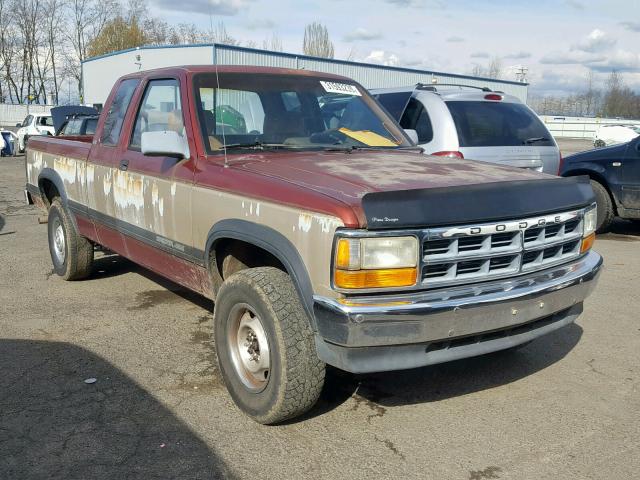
{"type": "Point", "coordinates": [77, 147]}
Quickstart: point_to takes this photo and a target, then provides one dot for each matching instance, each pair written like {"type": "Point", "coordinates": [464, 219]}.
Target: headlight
{"type": "Point", "coordinates": [590, 221]}
{"type": "Point", "coordinates": [376, 262]}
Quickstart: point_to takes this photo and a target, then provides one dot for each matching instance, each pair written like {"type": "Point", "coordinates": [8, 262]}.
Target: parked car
{"type": "Point", "coordinates": [33, 124]}
{"type": "Point", "coordinates": [473, 123]}
{"type": "Point", "coordinates": [320, 242]}
{"type": "Point", "coordinates": [613, 134]}
{"type": "Point", "coordinates": [73, 120]}
{"type": "Point", "coordinates": [8, 142]}
{"type": "Point", "coordinates": [615, 178]}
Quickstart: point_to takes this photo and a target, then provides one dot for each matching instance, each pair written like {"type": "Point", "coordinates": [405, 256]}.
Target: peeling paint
{"type": "Point", "coordinates": [305, 221]}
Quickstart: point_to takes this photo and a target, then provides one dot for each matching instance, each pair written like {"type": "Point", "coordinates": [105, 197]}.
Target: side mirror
{"type": "Point", "coordinates": [412, 134]}
{"type": "Point", "coordinates": [166, 143]}
{"type": "Point", "coordinates": [18, 125]}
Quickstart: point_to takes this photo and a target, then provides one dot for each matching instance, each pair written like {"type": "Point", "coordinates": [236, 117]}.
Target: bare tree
{"type": "Point", "coordinates": [316, 41]}
{"type": "Point", "coordinates": [273, 43]}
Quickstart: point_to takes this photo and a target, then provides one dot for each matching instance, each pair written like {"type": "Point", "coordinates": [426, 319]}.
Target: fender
{"type": "Point", "coordinates": [598, 173]}
{"type": "Point", "coordinates": [273, 242]}
{"type": "Point", "coordinates": [71, 206]}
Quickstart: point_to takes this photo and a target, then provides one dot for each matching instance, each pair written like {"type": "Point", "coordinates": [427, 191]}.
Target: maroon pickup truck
{"type": "Point", "coordinates": [295, 202]}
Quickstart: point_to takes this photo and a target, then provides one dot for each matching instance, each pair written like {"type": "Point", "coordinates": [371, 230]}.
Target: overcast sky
{"type": "Point", "coordinates": [560, 41]}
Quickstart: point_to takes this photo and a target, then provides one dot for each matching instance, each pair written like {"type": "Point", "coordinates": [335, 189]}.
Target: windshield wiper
{"type": "Point", "coordinates": [353, 148]}
{"type": "Point", "coordinates": [257, 145]}
{"type": "Point", "coordinates": [529, 141]}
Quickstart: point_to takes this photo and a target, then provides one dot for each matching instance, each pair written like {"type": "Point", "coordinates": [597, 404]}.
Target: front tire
{"type": "Point", "coordinates": [265, 346]}
{"type": "Point", "coordinates": [604, 207]}
{"type": "Point", "coordinates": [71, 253]}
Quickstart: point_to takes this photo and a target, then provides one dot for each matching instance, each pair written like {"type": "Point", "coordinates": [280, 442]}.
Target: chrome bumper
{"type": "Point", "coordinates": [370, 333]}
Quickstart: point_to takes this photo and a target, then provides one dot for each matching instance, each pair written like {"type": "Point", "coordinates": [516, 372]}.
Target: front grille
{"type": "Point", "coordinates": [480, 252]}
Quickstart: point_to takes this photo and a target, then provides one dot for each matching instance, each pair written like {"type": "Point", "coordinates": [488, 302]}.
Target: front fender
{"type": "Point", "coordinates": [273, 242]}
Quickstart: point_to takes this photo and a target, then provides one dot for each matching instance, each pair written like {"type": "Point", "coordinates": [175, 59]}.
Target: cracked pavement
{"type": "Point", "coordinates": [566, 406]}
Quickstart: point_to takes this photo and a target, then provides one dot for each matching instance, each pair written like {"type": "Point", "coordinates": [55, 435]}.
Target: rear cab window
{"type": "Point", "coordinates": [117, 112]}
{"type": "Point", "coordinates": [496, 124]}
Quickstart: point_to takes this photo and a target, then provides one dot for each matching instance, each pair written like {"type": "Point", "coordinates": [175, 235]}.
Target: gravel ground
{"type": "Point", "coordinates": [567, 406]}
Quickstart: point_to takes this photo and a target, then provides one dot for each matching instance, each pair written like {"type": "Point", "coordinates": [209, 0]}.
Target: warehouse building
{"type": "Point", "coordinates": [100, 73]}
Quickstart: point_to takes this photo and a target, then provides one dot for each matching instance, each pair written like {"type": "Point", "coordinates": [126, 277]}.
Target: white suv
{"type": "Point", "coordinates": [34, 124]}
{"type": "Point", "coordinates": [474, 123]}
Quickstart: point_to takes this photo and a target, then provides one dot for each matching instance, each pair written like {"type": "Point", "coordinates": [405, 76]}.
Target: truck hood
{"type": "Point", "coordinates": [349, 176]}
{"type": "Point", "coordinates": [405, 189]}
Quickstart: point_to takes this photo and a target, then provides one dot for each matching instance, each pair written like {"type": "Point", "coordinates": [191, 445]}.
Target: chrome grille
{"type": "Point", "coordinates": [480, 252]}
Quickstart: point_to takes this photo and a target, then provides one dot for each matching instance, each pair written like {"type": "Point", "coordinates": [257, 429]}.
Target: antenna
{"type": "Point", "coordinates": [215, 110]}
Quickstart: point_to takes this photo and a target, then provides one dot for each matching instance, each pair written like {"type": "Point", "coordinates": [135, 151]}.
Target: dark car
{"type": "Point", "coordinates": [615, 178]}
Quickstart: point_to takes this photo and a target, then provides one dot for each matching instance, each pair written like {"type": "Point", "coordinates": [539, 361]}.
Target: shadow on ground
{"type": "Point", "coordinates": [624, 230]}
{"type": "Point", "coordinates": [53, 425]}
{"type": "Point", "coordinates": [381, 390]}
{"type": "Point", "coordinates": [448, 380]}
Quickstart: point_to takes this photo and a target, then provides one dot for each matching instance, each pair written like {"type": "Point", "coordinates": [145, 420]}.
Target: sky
{"type": "Point", "coordinates": [559, 41]}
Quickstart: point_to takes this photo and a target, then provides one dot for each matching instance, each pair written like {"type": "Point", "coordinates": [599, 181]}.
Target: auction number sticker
{"type": "Point", "coordinates": [344, 88]}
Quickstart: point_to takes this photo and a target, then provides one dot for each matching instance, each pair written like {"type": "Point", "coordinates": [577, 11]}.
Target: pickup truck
{"type": "Point", "coordinates": [323, 236]}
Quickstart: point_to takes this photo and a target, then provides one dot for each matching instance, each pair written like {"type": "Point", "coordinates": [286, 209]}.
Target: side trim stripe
{"type": "Point", "coordinates": [185, 252]}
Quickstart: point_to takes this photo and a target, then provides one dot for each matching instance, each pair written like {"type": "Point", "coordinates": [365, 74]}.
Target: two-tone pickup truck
{"type": "Point", "coordinates": [321, 233]}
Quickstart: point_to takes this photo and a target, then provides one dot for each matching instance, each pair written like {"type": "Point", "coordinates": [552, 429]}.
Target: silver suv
{"type": "Point", "coordinates": [474, 123]}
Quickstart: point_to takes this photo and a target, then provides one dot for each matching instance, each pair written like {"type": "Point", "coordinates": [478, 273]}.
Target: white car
{"type": "Point", "coordinates": [34, 124]}
{"type": "Point", "coordinates": [613, 134]}
{"type": "Point", "coordinates": [473, 123]}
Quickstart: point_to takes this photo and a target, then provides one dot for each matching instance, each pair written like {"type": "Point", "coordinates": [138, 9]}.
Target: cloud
{"type": "Point", "coordinates": [621, 61]}
{"type": "Point", "coordinates": [261, 24]}
{"type": "Point", "coordinates": [205, 7]}
{"type": "Point", "coordinates": [575, 4]}
{"type": "Point", "coordinates": [571, 58]}
{"type": "Point", "coordinates": [631, 26]}
{"type": "Point", "coordinates": [518, 56]}
{"type": "Point", "coordinates": [596, 41]}
{"type": "Point", "coordinates": [382, 58]}
{"type": "Point", "coordinates": [362, 34]}
{"type": "Point", "coordinates": [480, 55]}
{"type": "Point", "coordinates": [455, 39]}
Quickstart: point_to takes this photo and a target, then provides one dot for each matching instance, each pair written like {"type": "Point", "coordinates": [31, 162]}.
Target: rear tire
{"type": "Point", "coordinates": [604, 207]}
{"type": "Point", "coordinates": [71, 253]}
{"type": "Point", "coordinates": [265, 346]}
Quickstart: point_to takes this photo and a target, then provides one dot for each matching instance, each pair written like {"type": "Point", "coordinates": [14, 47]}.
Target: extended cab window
{"type": "Point", "coordinates": [160, 110]}
{"type": "Point", "coordinates": [416, 117]}
{"type": "Point", "coordinates": [117, 111]}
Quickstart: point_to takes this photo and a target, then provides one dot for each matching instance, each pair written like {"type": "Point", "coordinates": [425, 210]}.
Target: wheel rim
{"type": "Point", "coordinates": [249, 347]}
{"type": "Point", "coordinates": [59, 244]}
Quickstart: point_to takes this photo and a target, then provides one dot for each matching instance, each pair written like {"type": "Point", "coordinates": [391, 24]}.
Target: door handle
{"type": "Point", "coordinates": [124, 164]}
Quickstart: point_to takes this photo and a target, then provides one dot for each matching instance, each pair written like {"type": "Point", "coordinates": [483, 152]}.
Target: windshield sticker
{"type": "Point", "coordinates": [343, 88]}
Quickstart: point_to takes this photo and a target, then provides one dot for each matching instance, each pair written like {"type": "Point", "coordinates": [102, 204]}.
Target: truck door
{"type": "Point", "coordinates": [153, 196]}
{"type": "Point", "coordinates": [101, 166]}
{"type": "Point", "coordinates": [630, 176]}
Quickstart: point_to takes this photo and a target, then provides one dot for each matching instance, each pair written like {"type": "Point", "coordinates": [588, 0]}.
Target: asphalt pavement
{"type": "Point", "coordinates": [566, 406]}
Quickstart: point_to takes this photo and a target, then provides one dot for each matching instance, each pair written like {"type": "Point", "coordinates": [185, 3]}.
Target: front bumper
{"type": "Point", "coordinates": [367, 334]}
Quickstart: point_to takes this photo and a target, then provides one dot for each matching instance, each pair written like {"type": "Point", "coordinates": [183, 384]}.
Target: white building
{"type": "Point", "coordinates": [100, 73]}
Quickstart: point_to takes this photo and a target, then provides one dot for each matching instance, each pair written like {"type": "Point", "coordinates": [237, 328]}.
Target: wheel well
{"type": "Point", "coordinates": [601, 180]}
{"type": "Point", "coordinates": [228, 256]}
{"type": "Point", "coordinates": [49, 189]}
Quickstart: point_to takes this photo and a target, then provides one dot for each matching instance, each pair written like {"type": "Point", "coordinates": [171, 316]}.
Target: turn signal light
{"type": "Point", "coordinates": [448, 153]}
{"type": "Point", "coordinates": [587, 243]}
{"type": "Point", "coordinates": [391, 277]}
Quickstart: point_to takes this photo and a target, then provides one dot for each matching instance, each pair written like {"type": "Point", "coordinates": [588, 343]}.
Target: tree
{"type": "Point", "coordinates": [316, 41]}
{"type": "Point", "coordinates": [273, 43]}
{"type": "Point", "coordinates": [117, 34]}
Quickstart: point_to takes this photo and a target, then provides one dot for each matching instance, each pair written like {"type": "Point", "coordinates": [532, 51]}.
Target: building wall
{"type": "Point", "coordinates": [100, 73]}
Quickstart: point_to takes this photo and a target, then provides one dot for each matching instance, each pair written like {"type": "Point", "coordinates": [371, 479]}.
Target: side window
{"type": "Point", "coordinates": [394, 103]}
{"type": "Point", "coordinates": [73, 127]}
{"type": "Point", "coordinates": [160, 110]}
{"type": "Point", "coordinates": [416, 117]}
{"type": "Point", "coordinates": [117, 112]}
{"type": "Point", "coordinates": [46, 121]}
{"type": "Point", "coordinates": [90, 126]}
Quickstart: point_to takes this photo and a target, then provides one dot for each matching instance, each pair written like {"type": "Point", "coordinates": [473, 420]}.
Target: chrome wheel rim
{"type": "Point", "coordinates": [249, 347]}
{"type": "Point", "coordinates": [59, 243]}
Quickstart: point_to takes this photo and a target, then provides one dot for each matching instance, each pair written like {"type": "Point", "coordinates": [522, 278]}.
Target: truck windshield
{"type": "Point", "coordinates": [290, 111]}
{"type": "Point", "coordinates": [497, 124]}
